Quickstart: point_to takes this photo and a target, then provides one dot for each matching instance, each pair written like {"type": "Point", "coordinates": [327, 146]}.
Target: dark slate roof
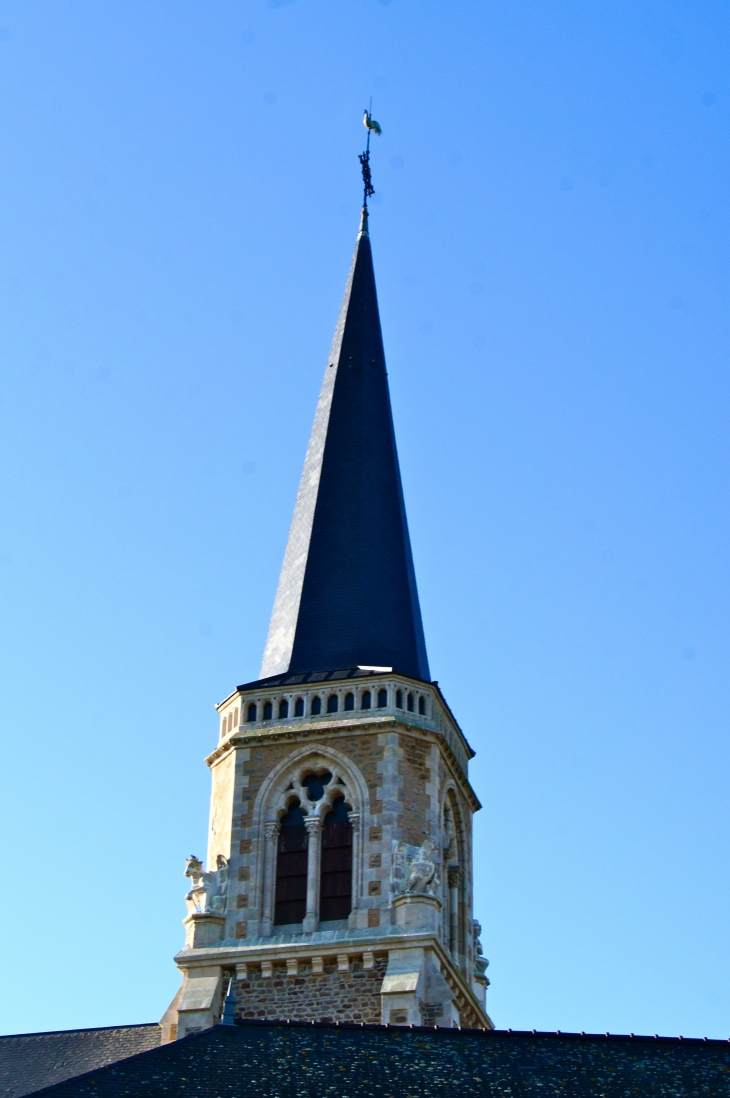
{"type": "Point", "coordinates": [347, 593]}
{"type": "Point", "coordinates": [276, 1060]}
{"type": "Point", "coordinates": [31, 1061]}
{"type": "Point", "coordinates": [310, 677]}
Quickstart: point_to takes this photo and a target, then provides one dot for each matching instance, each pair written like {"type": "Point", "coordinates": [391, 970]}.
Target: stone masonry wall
{"type": "Point", "coordinates": [352, 996]}
{"type": "Point", "coordinates": [415, 772]}
{"type": "Point", "coordinates": [366, 753]}
{"type": "Point", "coordinates": [221, 809]}
{"type": "Point", "coordinates": [261, 761]}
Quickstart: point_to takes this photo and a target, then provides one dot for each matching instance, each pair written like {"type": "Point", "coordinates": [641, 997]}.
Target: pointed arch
{"type": "Point", "coordinates": [454, 879]}
{"type": "Point", "coordinates": [288, 783]}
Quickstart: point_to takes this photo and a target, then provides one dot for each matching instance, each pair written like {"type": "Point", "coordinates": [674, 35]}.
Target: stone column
{"type": "Point", "coordinates": [313, 825]}
{"type": "Point", "coordinates": [455, 875]}
{"type": "Point", "coordinates": [271, 837]}
{"type": "Point", "coordinates": [354, 818]}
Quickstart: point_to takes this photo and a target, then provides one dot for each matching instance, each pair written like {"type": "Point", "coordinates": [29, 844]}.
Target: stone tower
{"type": "Point", "coordinates": [339, 879]}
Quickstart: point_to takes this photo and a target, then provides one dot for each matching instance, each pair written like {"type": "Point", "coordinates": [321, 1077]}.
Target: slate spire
{"type": "Point", "coordinates": [347, 593]}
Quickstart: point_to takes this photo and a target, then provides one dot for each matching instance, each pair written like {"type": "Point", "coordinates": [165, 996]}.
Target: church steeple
{"type": "Point", "coordinates": [347, 593]}
{"type": "Point", "coordinates": [339, 880]}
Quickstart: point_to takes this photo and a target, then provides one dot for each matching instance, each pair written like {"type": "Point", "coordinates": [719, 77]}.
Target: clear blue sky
{"type": "Point", "coordinates": [179, 195]}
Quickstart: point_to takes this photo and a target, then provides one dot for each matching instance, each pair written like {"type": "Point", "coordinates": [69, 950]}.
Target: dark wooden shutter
{"type": "Point", "coordinates": [336, 870]}
{"type": "Point", "coordinates": [291, 870]}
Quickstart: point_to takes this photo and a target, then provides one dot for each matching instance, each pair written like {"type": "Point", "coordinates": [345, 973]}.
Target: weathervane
{"type": "Point", "coordinates": [372, 127]}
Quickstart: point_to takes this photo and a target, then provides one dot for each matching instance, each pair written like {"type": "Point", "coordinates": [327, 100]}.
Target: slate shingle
{"type": "Point", "coordinates": [347, 593]}
{"type": "Point", "coordinates": [276, 1060]}
{"type": "Point", "coordinates": [31, 1061]}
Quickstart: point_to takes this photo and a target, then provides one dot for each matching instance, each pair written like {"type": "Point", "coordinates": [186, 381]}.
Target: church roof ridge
{"type": "Point", "coordinates": [481, 1031]}
{"type": "Point", "coordinates": [78, 1029]}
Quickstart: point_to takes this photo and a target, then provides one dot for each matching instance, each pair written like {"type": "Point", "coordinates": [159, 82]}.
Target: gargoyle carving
{"type": "Point", "coordinates": [209, 887]}
{"type": "Point", "coordinates": [415, 869]}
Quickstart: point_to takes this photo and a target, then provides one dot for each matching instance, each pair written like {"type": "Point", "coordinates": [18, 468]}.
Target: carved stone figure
{"type": "Point", "coordinates": [449, 839]}
{"type": "Point", "coordinates": [415, 870]}
{"type": "Point", "coordinates": [481, 963]}
{"type": "Point", "coordinates": [209, 887]}
{"type": "Point", "coordinates": [423, 870]}
{"type": "Point", "coordinates": [399, 867]}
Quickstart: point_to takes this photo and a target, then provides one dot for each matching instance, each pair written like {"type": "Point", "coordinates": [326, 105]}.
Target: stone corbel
{"type": "Point", "coordinates": [203, 929]}
{"type": "Point", "coordinates": [417, 911]}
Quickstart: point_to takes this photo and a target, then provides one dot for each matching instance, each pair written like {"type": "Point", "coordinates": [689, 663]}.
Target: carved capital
{"type": "Point", "coordinates": [354, 818]}
{"type": "Point", "coordinates": [271, 830]}
{"type": "Point", "coordinates": [455, 874]}
{"type": "Point", "coordinates": [313, 825]}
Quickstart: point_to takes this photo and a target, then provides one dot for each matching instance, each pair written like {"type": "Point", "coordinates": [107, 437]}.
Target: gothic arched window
{"type": "Point", "coordinates": [299, 707]}
{"type": "Point", "coordinates": [335, 889]}
{"type": "Point", "coordinates": [332, 703]}
{"type": "Point", "coordinates": [366, 700]}
{"type": "Point", "coordinates": [399, 699]}
{"type": "Point", "coordinates": [283, 708]}
{"type": "Point", "coordinates": [410, 703]}
{"type": "Point", "coordinates": [268, 711]}
{"type": "Point", "coordinates": [422, 706]}
{"type": "Point", "coordinates": [349, 701]}
{"type": "Point", "coordinates": [251, 712]}
{"type": "Point", "coordinates": [382, 699]}
{"type": "Point", "coordinates": [316, 705]}
{"type": "Point", "coordinates": [291, 868]}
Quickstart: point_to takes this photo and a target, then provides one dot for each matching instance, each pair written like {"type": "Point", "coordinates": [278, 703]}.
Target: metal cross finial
{"type": "Point", "coordinates": [364, 158]}
{"type": "Point", "coordinates": [367, 180]}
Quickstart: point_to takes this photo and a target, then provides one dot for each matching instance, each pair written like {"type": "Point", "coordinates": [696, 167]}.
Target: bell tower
{"type": "Point", "coordinates": [339, 871]}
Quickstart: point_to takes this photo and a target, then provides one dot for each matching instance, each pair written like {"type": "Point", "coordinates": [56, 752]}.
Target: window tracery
{"type": "Point", "coordinates": [312, 872]}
